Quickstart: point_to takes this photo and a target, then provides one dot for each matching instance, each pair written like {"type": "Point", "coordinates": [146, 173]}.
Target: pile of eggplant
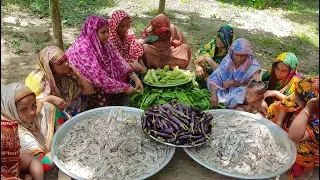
{"type": "Point", "coordinates": [177, 124]}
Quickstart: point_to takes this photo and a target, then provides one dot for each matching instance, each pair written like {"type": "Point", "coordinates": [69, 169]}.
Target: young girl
{"type": "Point", "coordinates": [37, 121]}
{"type": "Point", "coordinates": [254, 102]}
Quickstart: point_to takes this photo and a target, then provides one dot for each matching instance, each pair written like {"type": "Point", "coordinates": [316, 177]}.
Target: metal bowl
{"type": "Point", "coordinates": [276, 131]}
{"type": "Point", "coordinates": [63, 130]}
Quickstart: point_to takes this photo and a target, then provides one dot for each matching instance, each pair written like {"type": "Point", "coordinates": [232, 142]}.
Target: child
{"type": "Point", "coordinates": [254, 102]}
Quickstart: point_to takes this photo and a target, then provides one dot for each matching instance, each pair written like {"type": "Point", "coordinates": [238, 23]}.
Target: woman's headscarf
{"type": "Point", "coordinates": [10, 95]}
{"type": "Point", "coordinates": [130, 48]}
{"type": "Point", "coordinates": [37, 133]}
{"type": "Point", "coordinates": [99, 63]}
{"type": "Point", "coordinates": [285, 86]}
{"type": "Point", "coordinates": [225, 71]}
{"type": "Point", "coordinates": [160, 24]}
{"type": "Point", "coordinates": [43, 83]}
{"type": "Point", "coordinates": [225, 34]}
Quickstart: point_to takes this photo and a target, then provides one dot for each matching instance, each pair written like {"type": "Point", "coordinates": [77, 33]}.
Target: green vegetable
{"type": "Point", "coordinates": [154, 76]}
{"type": "Point", "coordinates": [166, 68]}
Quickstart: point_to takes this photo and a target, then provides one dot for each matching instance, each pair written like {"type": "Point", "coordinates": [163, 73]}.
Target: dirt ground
{"type": "Point", "coordinates": [16, 66]}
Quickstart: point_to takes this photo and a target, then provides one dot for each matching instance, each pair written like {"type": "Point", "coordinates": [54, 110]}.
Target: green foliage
{"type": "Point", "coordinates": [72, 12]}
{"type": "Point", "coordinates": [15, 44]}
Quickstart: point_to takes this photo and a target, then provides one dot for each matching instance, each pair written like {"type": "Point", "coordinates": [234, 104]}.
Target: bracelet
{"type": "Point", "coordinates": [306, 112]}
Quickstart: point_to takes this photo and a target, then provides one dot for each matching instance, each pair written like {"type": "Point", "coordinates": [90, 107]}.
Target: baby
{"type": "Point", "coordinates": [254, 101]}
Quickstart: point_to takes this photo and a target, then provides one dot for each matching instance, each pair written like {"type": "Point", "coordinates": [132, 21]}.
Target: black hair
{"type": "Point", "coordinates": [260, 86]}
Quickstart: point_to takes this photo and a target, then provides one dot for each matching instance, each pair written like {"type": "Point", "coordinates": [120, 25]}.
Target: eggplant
{"type": "Point", "coordinates": [174, 125]}
{"type": "Point", "coordinates": [168, 131]}
{"type": "Point", "coordinates": [171, 140]}
{"type": "Point", "coordinates": [162, 134]}
{"type": "Point", "coordinates": [185, 133]}
{"type": "Point", "coordinates": [160, 108]}
{"type": "Point", "coordinates": [185, 121]}
{"type": "Point", "coordinates": [156, 118]}
{"type": "Point", "coordinates": [179, 107]}
{"type": "Point", "coordinates": [181, 142]}
{"type": "Point", "coordinates": [176, 120]}
{"type": "Point", "coordinates": [198, 141]}
{"type": "Point", "coordinates": [165, 126]}
{"type": "Point", "coordinates": [183, 137]}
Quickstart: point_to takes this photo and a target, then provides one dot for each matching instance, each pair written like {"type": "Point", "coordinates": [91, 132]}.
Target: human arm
{"type": "Point", "coordinates": [274, 93]}
{"type": "Point", "coordinates": [55, 100]}
{"type": "Point", "coordinates": [231, 83]}
{"type": "Point", "coordinates": [32, 166]}
{"type": "Point", "coordinates": [214, 98]}
{"type": "Point", "coordinates": [264, 108]}
{"type": "Point", "coordinates": [86, 85]}
{"type": "Point", "coordinates": [298, 128]}
{"type": "Point", "coordinates": [280, 118]}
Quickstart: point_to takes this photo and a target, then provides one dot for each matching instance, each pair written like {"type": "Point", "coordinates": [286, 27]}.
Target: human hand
{"type": "Point", "coordinates": [131, 90]}
{"type": "Point", "coordinates": [313, 103]}
{"type": "Point", "coordinates": [214, 100]}
{"type": "Point", "coordinates": [227, 84]}
{"type": "Point", "coordinates": [199, 71]}
{"type": "Point", "coordinates": [269, 93]}
{"type": "Point", "coordinates": [139, 85]}
{"type": "Point", "coordinates": [176, 43]}
{"type": "Point", "coordinates": [137, 67]}
{"type": "Point", "coordinates": [60, 103]}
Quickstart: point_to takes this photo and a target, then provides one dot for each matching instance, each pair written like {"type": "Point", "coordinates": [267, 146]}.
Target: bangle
{"type": "Point", "coordinates": [306, 112]}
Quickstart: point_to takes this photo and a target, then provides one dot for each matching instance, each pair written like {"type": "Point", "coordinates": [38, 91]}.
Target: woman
{"type": "Point", "coordinates": [291, 114]}
{"type": "Point", "coordinates": [57, 82]}
{"type": "Point", "coordinates": [236, 70]}
{"type": "Point", "coordinates": [281, 77]}
{"type": "Point", "coordinates": [213, 52]}
{"type": "Point", "coordinates": [102, 65]}
{"type": "Point", "coordinates": [37, 120]}
{"type": "Point", "coordinates": [170, 49]}
{"type": "Point", "coordinates": [124, 39]}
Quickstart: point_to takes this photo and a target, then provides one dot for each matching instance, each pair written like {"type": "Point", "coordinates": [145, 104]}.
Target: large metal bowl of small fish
{"type": "Point", "coordinates": [107, 143]}
{"type": "Point", "coordinates": [245, 146]}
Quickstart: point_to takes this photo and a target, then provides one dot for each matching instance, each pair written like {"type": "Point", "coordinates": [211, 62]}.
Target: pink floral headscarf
{"type": "Point", "coordinates": [99, 63]}
{"type": "Point", "coordinates": [130, 48]}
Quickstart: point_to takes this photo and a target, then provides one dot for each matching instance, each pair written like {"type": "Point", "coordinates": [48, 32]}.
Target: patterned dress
{"type": "Point", "coordinates": [99, 63]}
{"type": "Point", "coordinates": [226, 71]}
{"type": "Point", "coordinates": [307, 152]}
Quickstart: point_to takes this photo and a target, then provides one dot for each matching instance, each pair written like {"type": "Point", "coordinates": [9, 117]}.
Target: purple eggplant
{"type": "Point", "coordinates": [185, 133]}
{"type": "Point", "coordinates": [174, 125]}
{"type": "Point", "coordinates": [184, 120]}
{"type": "Point", "coordinates": [179, 107]}
{"type": "Point", "coordinates": [165, 126]}
{"type": "Point", "coordinates": [176, 120]}
{"type": "Point", "coordinates": [162, 134]}
{"type": "Point", "coordinates": [183, 137]}
{"type": "Point", "coordinates": [198, 141]}
{"type": "Point", "coordinates": [159, 123]}
{"type": "Point", "coordinates": [160, 108]}
{"type": "Point", "coordinates": [181, 141]}
{"type": "Point", "coordinates": [171, 140]}
{"type": "Point", "coordinates": [168, 131]}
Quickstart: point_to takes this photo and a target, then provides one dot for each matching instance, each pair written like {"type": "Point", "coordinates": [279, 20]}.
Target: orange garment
{"type": "Point", "coordinates": [170, 49]}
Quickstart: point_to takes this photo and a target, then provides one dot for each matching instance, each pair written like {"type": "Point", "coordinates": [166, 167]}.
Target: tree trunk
{"type": "Point", "coordinates": [162, 4]}
{"type": "Point", "coordinates": [56, 23]}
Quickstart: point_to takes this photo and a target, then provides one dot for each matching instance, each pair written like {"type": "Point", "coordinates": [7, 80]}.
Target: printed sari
{"type": "Point", "coordinates": [100, 63]}
{"type": "Point", "coordinates": [226, 37]}
{"type": "Point", "coordinates": [43, 83]}
{"type": "Point", "coordinates": [285, 86]}
{"type": "Point", "coordinates": [226, 71]}
{"type": "Point", "coordinates": [129, 48]}
{"type": "Point", "coordinates": [307, 152]}
{"type": "Point", "coordinates": [169, 50]}
{"type": "Point", "coordinates": [36, 136]}
{"type": "Point", "coordinates": [10, 150]}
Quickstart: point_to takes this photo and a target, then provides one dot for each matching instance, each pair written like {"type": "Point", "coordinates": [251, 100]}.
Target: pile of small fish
{"type": "Point", "coordinates": [110, 146]}
{"type": "Point", "coordinates": [177, 124]}
{"type": "Point", "coordinates": [241, 145]}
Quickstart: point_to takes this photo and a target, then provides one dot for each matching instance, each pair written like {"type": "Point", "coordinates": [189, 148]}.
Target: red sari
{"type": "Point", "coordinates": [10, 150]}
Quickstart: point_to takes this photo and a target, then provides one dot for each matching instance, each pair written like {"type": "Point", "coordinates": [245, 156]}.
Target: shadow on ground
{"type": "Point", "coordinates": [266, 45]}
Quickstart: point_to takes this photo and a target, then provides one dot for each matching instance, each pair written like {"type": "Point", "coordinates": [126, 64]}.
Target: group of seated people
{"type": "Point", "coordinates": [104, 65]}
